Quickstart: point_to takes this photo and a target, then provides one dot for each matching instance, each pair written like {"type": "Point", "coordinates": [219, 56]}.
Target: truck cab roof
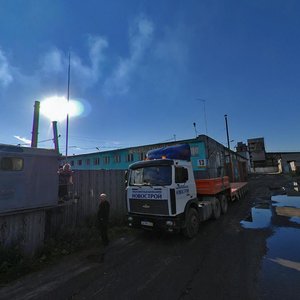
{"type": "Point", "coordinates": [154, 162]}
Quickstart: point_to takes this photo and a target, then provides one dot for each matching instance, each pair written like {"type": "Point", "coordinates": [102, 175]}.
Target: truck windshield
{"type": "Point", "coordinates": [158, 175]}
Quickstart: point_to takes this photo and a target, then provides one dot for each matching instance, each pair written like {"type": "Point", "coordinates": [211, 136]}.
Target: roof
{"type": "Point", "coordinates": [199, 138]}
{"type": "Point", "coordinates": [5, 148]}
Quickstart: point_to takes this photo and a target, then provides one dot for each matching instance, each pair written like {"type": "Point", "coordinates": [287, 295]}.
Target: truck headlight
{"type": "Point", "coordinates": [169, 223]}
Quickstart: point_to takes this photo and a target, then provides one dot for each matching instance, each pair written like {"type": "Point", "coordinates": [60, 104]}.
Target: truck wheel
{"type": "Point", "coordinates": [224, 204]}
{"type": "Point", "coordinates": [216, 210]}
{"type": "Point", "coordinates": [192, 224]}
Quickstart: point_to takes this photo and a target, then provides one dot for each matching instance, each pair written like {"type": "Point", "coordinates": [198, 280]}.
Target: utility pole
{"type": "Point", "coordinates": [227, 133]}
{"type": "Point", "coordinates": [55, 136]}
{"type": "Point", "coordinates": [196, 133]}
{"type": "Point", "coordinates": [228, 144]}
{"type": "Point", "coordinates": [35, 126]}
{"type": "Point", "coordinates": [204, 112]}
{"type": "Point", "coordinates": [204, 108]}
{"type": "Point", "coordinates": [68, 98]}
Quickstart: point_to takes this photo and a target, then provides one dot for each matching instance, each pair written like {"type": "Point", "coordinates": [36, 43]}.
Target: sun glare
{"type": "Point", "coordinates": [56, 108]}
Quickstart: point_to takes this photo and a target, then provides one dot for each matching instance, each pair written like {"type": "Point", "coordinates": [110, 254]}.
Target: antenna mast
{"type": "Point", "coordinates": [68, 98]}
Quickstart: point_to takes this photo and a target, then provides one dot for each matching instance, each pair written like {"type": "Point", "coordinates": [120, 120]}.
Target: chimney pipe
{"type": "Point", "coordinates": [35, 127]}
{"type": "Point", "coordinates": [55, 136]}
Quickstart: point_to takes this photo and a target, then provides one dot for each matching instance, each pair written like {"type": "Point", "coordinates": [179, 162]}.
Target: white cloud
{"type": "Point", "coordinates": [23, 139]}
{"type": "Point", "coordinates": [82, 75]}
{"type": "Point", "coordinates": [6, 76]}
{"type": "Point", "coordinates": [52, 62]}
{"type": "Point", "coordinates": [53, 66]}
{"type": "Point", "coordinates": [173, 49]}
{"type": "Point", "coordinates": [140, 37]}
{"type": "Point", "coordinates": [97, 46]}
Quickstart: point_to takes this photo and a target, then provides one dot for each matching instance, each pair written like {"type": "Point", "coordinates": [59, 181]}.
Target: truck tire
{"type": "Point", "coordinates": [192, 224]}
{"type": "Point", "coordinates": [216, 210]}
{"type": "Point", "coordinates": [224, 204]}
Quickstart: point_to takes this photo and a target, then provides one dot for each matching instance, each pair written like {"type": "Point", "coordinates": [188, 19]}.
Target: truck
{"type": "Point", "coordinates": [162, 192]}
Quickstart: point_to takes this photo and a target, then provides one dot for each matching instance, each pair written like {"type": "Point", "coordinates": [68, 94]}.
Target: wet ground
{"type": "Point", "coordinates": [279, 277]}
{"type": "Point", "coordinates": [252, 252]}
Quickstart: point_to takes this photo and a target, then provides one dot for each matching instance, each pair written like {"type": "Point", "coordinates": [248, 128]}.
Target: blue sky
{"type": "Point", "coordinates": [140, 68]}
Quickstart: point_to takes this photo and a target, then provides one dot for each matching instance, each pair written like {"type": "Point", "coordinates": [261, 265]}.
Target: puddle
{"type": "Point", "coordinates": [284, 244]}
{"type": "Point", "coordinates": [259, 218]}
{"type": "Point", "coordinates": [280, 272]}
{"type": "Point", "coordinates": [280, 268]}
{"type": "Point", "coordinates": [269, 215]}
{"type": "Point", "coordinates": [295, 220]}
{"type": "Point", "coordinates": [284, 200]}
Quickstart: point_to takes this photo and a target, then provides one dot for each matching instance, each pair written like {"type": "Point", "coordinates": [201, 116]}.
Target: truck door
{"type": "Point", "coordinates": [183, 189]}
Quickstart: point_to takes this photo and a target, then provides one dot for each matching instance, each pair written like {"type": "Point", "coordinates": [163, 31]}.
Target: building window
{"type": "Point", "coordinates": [129, 157]}
{"type": "Point", "coordinates": [79, 162]}
{"type": "Point", "coordinates": [97, 161]}
{"type": "Point", "coordinates": [195, 151]}
{"type": "Point", "coordinates": [72, 163]}
{"type": "Point", "coordinates": [117, 159]}
{"type": "Point", "coordinates": [88, 162]}
{"type": "Point", "coordinates": [106, 160]}
{"type": "Point", "coordinates": [11, 164]}
{"type": "Point", "coordinates": [142, 156]}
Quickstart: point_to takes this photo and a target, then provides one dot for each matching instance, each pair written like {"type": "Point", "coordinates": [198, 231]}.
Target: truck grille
{"type": "Point", "coordinates": [151, 207]}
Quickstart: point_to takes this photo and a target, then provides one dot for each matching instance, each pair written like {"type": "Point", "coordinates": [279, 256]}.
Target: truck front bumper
{"type": "Point", "coordinates": [166, 223]}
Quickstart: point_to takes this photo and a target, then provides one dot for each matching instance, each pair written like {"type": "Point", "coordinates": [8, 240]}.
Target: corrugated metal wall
{"type": "Point", "coordinates": [29, 229]}
{"type": "Point", "coordinates": [88, 185]}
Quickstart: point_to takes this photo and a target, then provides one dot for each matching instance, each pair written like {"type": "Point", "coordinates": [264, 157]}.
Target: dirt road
{"type": "Point", "coordinates": [249, 253]}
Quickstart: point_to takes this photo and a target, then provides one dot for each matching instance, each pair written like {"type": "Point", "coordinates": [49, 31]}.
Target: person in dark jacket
{"type": "Point", "coordinates": [103, 217]}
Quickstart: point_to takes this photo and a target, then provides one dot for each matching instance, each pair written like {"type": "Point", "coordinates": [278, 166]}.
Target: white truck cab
{"type": "Point", "coordinates": [161, 190]}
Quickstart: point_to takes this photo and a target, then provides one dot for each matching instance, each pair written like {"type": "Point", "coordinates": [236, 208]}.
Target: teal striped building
{"type": "Point", "coordinates": [209, 158]}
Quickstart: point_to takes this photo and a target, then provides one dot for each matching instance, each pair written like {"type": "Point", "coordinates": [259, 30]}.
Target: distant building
{"type": "Point", "coordinates": [257, 152]}
{"type": "Point", "coordinates": [268, 162]}
{"type": "Point", "coordinates": [242, 149]}
{"type": "Point", "coordinates": [288, 162]}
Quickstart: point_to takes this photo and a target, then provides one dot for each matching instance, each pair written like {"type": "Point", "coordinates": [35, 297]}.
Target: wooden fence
{"type": "Point", "coordinates": [30, 228]}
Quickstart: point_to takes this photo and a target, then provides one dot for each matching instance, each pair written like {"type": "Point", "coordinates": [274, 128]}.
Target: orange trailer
{"type": "Point", "coordinates": [221, 185]}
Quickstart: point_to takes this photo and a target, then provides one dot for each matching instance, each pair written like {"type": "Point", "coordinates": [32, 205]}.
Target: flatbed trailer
{"type": "Point", "coordinates": [238, 190]}
{"type": "Point", "coordinates": [221, 185]}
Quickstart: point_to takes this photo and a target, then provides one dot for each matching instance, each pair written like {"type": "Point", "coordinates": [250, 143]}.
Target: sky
{"type": "Point", "coordinates": [146, 71]}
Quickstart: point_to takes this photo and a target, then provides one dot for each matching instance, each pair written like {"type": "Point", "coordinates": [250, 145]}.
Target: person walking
{"type": "Point", "coordinates": [103, 217]}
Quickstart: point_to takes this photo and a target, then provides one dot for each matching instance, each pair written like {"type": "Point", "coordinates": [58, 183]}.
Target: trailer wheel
{"type": "Point", "coordinates": [192, 224]}
{"type": "Point", "coordinates": [224, 204]}
{"type": "Point", "coordinates": [216, 210]}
